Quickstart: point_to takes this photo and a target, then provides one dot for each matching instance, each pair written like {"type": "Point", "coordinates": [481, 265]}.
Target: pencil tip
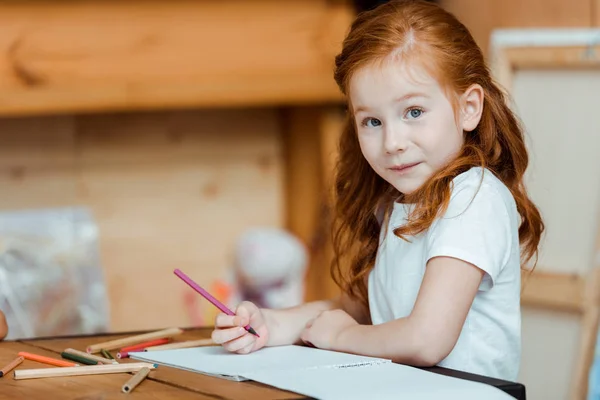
{"type": "Point", "coordinates": [252, 331]}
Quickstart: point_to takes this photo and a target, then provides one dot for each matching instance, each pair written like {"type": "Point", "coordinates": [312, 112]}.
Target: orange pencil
{"type": "Point", "coordinates": [46, 360]}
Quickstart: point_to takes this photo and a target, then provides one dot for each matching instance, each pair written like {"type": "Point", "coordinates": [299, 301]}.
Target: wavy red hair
{"type": "Point", "coordinates": [424, 33]}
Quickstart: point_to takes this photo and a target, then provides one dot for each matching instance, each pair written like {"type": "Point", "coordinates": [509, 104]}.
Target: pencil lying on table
{"type": "Point", "coordinates": [135, 380]}
{"type": "Point", "coordinates": [79, 359]}
{"type": "Point", "coordinates": [12, 365]}
{"type": "Point", "coordinates": [182, 345]}
{"type": "Point", "coordinates": [107, 355]}
{"type": "Point", "coordinates": [118, 343]}
{"type": "Point", "coordinates": [46, 360]}
{"type": "Point", "coordinates": [87, 370]}
{"type": "Point", "coordinates": [101, 360]}
{"type": "Point", "coordinates": [124, 352]}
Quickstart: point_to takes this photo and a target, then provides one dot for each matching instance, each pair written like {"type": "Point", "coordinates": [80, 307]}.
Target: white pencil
{"type": "Point", "coordinates": [181, 345]}
{"type": "Point", "coordinates": [87, 370]}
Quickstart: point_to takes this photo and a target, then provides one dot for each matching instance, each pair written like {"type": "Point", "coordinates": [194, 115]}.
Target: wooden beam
{"type": "Point", "coordinates": [76, 56]}
{"type": "Point", "coordinates": [554, 57]}
{"type": "Point", "coordinates": [557, 291]}
{"type": "Point", "coordinates": [589, 337]}
{"type": "Point", "coordinates": [507, 60]}
{"type": "Point", "coordinates": [596, 13]}
{"type": "Point", "coordinates": [310, 141]}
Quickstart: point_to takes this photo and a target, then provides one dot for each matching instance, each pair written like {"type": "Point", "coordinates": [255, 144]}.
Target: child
{"type": "Point", "coordinates": [3, 326]}
{"type": "Point", "coordinates": [431, 209]}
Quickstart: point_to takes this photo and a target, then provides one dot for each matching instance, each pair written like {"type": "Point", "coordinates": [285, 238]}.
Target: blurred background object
{"type": "Point", "coordinates": [51, 280]}
{"type": "Point", "coordinates": [269, 268]}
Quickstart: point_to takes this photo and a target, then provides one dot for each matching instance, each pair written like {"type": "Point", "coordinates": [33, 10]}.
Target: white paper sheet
{"type": "Point", "coordinates": [214, 360]}
{"type": "Point", "coordinates": [381, 382]}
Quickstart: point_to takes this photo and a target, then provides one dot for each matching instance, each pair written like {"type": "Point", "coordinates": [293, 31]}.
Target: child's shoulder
{"type": "Point", "coordinates": [480, 187]}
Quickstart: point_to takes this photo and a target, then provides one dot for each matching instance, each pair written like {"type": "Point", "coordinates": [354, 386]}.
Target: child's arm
{"type": "Point", "coordinates": [425, 337]}
{"type": "Point", "coordinates": [3, 326]}
{"type": "Point", "coordinates": [286, 325]}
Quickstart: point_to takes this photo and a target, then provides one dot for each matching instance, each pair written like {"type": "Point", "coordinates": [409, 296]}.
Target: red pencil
{"type": "Point", "coordinates": [124, 352]}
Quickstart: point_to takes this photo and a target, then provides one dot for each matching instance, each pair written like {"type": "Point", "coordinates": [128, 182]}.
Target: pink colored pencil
{"type": "Point", "coordinates": [209, 297]}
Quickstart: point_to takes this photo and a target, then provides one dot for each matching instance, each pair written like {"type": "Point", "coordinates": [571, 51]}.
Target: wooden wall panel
{"type": "Point", "coordinates": [168, 190]}
{"type": "Point", "coordinates": [311, 135]}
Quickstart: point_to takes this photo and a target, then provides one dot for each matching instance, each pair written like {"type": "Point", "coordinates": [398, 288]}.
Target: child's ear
{"type": "Point", "coordinates": [471, 104]}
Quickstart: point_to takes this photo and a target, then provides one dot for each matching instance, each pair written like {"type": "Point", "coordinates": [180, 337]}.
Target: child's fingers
{"type": "Point", "coordinates": [240, 343]}
{"type": "Point", "coordinates": [247, 349]}
{"type": "Point", "coordinates": [220, 336]}
{"type": "Point", "coordinates": [228, 321]}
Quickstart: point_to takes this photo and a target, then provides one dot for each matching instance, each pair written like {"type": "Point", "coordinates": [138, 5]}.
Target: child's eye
{"type": "Point", "coordinates": [371, 122]}
{"type": "Point", "coordinates": [413, 113]}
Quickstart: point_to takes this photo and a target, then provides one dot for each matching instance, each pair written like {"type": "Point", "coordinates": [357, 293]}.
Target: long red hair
{"type": "Point", "coordinates": [425, 33]}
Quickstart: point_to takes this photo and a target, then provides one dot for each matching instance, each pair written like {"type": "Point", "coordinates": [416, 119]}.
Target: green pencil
{"type": "Point", "coordinates": [79, 359]}
{"type": "Point", "coordinates": [106, 354]}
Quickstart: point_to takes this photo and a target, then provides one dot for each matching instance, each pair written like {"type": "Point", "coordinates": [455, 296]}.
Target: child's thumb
{"type": "Point", "coordinates": [242, 316]}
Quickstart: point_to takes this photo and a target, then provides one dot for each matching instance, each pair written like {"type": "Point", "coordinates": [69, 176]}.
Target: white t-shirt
{"type": "Point", "coordinates": [480, 226]}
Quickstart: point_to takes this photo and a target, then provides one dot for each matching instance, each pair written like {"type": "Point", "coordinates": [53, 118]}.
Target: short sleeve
{"type": "Point", "coordinates": [475, 228]}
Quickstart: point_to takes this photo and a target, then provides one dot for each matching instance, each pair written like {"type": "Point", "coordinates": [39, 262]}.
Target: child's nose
{"type": "Point", "coordinates": [395, 141]}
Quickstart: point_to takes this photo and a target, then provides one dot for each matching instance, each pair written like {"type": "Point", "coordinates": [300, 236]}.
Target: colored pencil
{"type": "Point", "coordinates": [106, 354]}
{"type": "Point", "coordinates": [135, 380]}
{"type": "Point", "coordinates": [124, 352]}
{"type": "Point", "coordinates": [89, 356]}
{"type": "Point", "coordinates": [209, 297]}
{"type": "Point", "coordinates": [118, 343]}
{"type": "Point", "coordinates": [10, 366]}
{"type": "Point", "coordinates": [182, 345]}
{"type": "Point", "coordinates": [46, 360]}
{"type": "Point", "coordinates": [79, 359]}
{"type": "Point", "coordinates": [87, 370]}
{"type": "Point", "coordinates": [141, 346]}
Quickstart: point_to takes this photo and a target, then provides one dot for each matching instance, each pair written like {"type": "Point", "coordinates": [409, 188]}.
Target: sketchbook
{"type": "Point", "coordinates": [323, 374]}
{"type": "Point", "coordinates": [385, 381]}
{"type": "Point", "coordinates": [216, 361]}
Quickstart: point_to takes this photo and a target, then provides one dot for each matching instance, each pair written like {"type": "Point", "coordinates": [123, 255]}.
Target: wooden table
{"type": "Point", "coordinates": [162, 383]}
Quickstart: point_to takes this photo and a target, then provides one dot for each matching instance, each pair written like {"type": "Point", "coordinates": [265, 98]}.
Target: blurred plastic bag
{"type": "Point", "coordinates": [51, 282]}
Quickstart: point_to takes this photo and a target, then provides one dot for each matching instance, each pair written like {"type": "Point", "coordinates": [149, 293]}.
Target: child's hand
{"type": "Point", "coordinates": [324, 331]}
{"type": "Point", "coordinates": [230, 333]}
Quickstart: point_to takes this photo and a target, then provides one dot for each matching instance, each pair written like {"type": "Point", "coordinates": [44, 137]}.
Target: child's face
{"type": "Point", "coordinates": [405, 123]}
